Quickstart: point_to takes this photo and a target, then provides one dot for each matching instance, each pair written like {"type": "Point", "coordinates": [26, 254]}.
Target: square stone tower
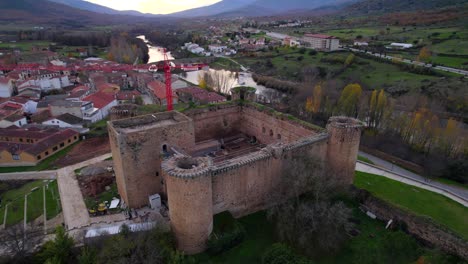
{"type": "Point", "coordinates": [138, 145]}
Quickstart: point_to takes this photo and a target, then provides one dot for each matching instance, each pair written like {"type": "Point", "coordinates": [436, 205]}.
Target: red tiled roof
{"type": "Point", "coordinates": [321, 36]}
{"type": "Point", "coordinates": [108, 87]}
{"type": "Point", "coordinates": [201, 95]}
{"type": "Point", "coordinates": [49, 138]}
{"type": "Point", "coordinates": [99, 99]}
{"type": "Point", "coordinates": [11, 106]}
{"type": "Point", "coordinates": [127, 95]}
{"type": "Point", "coordinates": [80, 88]}
{"type": "Point", "coordinates": [159, 89]}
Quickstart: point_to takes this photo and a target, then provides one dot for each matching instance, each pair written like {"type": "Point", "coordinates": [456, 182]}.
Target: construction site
{"type": "Point", "coordinates": [226, 157]}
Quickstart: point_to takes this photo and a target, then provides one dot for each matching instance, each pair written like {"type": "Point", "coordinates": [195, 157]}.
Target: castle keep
{"type": "Point", "coordinates": [228, 157]}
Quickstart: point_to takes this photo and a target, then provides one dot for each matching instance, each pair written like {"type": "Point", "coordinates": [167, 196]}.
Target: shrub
{"type": "Point", "coordinates": [222, 241]}
{"type": "Point", "coordinates": [280, 253]}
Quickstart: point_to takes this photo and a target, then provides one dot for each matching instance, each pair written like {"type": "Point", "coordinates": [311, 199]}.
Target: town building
{"type": "Point", "coordinates": [65, 121]}
{"type": "Point", "coordinates": [322, 42]}
{"type": "Point", "coordinates": [6, 87]}
{"type": "Point", "coordinates": [158, 93]}
{"type": "Point", "coordinates": [400, 46]}
{"type": "Point", "coordinates": [199, 96]}
{"type": "Point", "coordinates": [28, 147]}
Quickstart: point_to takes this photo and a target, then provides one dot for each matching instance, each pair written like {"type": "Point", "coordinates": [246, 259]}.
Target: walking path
{"type": "Point", "coordinates": [463, 192]}
{"type": "Point", "coordinates": [75, 213]}
{"type": "Point", "coordinates": [430, 186]}
{"type": "Point", "coordinates": [30, 175]}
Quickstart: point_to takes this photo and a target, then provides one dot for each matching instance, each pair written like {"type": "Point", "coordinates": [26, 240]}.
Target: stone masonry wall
{"type": "Point", "coordinates": [138, 158]}
{"type": "Point", "coordinates": [420, 227]}
{"type": "Point", "coordinates": [270, 129]}
{"type": "Point", "coordinates": [215, 122]}
{"type": "Point", "coordinates": [253, 184]}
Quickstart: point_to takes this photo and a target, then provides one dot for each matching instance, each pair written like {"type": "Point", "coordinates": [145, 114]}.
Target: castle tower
{"type": "Point", "coordinates": [343, 147]}
{"type": "Point", "coordinates": [190, 198]}
{"type": "Point", "coordinates": [138, 146]}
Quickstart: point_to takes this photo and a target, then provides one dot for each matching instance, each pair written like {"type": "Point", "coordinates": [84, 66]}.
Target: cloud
{"type": "Point", "coordinates": [154, 6]}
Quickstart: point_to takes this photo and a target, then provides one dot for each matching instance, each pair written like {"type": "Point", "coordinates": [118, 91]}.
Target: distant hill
{"type": "Point", "coordinates": [250, 8]}
{"type": "Point", "coordinates": [85, 5]}
{"type": "Point", "coordinates": [389, 6]}
{"type": "Point", "coordinates": [215, 9]}
{"type": "Point", "coordinates": [47, 12]}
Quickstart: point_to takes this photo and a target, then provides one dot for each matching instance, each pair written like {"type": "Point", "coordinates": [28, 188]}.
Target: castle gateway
{"type": "Point", "coordinates": [228, 157]}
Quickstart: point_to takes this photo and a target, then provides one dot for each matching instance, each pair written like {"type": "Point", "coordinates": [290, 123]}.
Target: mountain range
{"type": "Point", "coordinates": [80, 12]}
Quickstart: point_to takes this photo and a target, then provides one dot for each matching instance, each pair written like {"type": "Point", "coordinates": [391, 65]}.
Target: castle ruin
{"type": "Point", "coordinates": [227, 157]}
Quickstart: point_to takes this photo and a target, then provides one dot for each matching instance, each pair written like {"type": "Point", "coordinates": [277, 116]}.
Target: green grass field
{"type": "Point", "coordinates": [25, 45]}
{"type": "Point", "coordinates": [418, 201]}
{"type": "Point", "coordinates": [374, 244]}
{"type": "Point", "coordinates": [46, 164]}
{"type": "Point", "coordinates": [15, 199]}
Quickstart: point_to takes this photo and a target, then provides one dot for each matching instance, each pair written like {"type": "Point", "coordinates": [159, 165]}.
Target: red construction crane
{"type": "Point", "coordinates": [168, 77]}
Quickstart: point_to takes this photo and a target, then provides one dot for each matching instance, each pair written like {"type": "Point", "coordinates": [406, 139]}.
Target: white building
{"type": "Point", "coordinates": [217, 48]}
{"type": "Point", "coordinates": [6, 87]}
{"type": "Point", "coordinates": [45, 83]}
{"type": "Point", "coordinates": [322, 42]}
{"type": "Point", "coordinates": [65, 121]}
{"type": "Point", "coordinates": [360, 43]}
{"type": "Point", "coordinates": [396, 45]}
{"type": "Point", "coordinates": [13, 120]}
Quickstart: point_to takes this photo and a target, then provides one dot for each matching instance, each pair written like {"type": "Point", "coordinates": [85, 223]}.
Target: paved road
{"type": "Point", "coordinates": [417, 63]}
{"type": "Point", "coordinates": [398, 170]}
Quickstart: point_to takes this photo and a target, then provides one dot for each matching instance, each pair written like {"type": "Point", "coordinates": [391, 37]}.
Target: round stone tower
{"type": "Point", "coordinates": [190, 199]}
{"type": "Point", "coordinates": [343, 147]}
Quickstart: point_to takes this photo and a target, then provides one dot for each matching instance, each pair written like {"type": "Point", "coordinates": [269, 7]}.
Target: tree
{"type": "Point", "coordinates": [313, 219]}
{"type": "Point", "coordinates": [349, 60]}
{"type": "Point", "coordinates": [424, 54]}
{"type": "Point", "coordinates": [377, 106]}
{"type": "Point", "coordinates": [59, 249]}
{"type": "Point", "coordinates": [110, 56]}
{"type": "Point", "coordinates": [348, 103]}
{"type": "Point", "coordinates": [202, 83]}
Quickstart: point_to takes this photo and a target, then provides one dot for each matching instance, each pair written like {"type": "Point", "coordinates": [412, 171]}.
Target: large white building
{"type": "Point", "coordinates": [322, 42]}
{"type": "Point", "coordinates": [6, 87]}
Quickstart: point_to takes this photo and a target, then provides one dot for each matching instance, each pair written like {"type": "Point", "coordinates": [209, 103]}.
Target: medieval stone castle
{"type": "Point", "coordinates": [227, 157]}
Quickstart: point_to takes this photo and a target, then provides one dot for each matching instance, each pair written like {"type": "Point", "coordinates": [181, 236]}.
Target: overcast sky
{"type": "Point", "coordinates": [154, 6]}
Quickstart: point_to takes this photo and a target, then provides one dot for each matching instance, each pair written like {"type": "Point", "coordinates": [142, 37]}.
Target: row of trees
{"type": "Point", "coordinates": [421, 129]}
{"type": "Point", "coordinates": [126, 49]}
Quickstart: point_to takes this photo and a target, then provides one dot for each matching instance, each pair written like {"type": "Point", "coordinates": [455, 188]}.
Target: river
{"type": "Point", "coordinates": [155, 53]}
{"type": "Point", "coordinates": [264, 94]}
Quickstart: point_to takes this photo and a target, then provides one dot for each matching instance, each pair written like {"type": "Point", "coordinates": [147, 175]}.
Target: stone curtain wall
{"type": "Point", "coordinates": [420, 227]}
{"type": "Point", "coordinates": [215, 122]}
{"type": "Point", "coordinates": [251, 186]}
{"type": "Point", "coordinates": [269, 128]}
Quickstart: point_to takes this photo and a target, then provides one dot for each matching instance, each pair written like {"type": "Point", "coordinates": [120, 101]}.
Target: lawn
{"type": "Point", "coordinates": [259, 236]}
{"type": "Point", "coordinates": [15, 199]}
{"type": "Point", "coordinates": [364, 159]}
{"type": "Point", "coordinates": [25, 45]}
{"type": "Point", "coordinates": [46, 164]}
{"type": "Point", "coordinates": [374, 244]}
{"type": "Point", "coordinates": [421, 202]}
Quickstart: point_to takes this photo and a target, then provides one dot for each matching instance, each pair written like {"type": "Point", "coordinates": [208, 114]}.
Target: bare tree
{"type": "Point", "coordinates": [312, 218]}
